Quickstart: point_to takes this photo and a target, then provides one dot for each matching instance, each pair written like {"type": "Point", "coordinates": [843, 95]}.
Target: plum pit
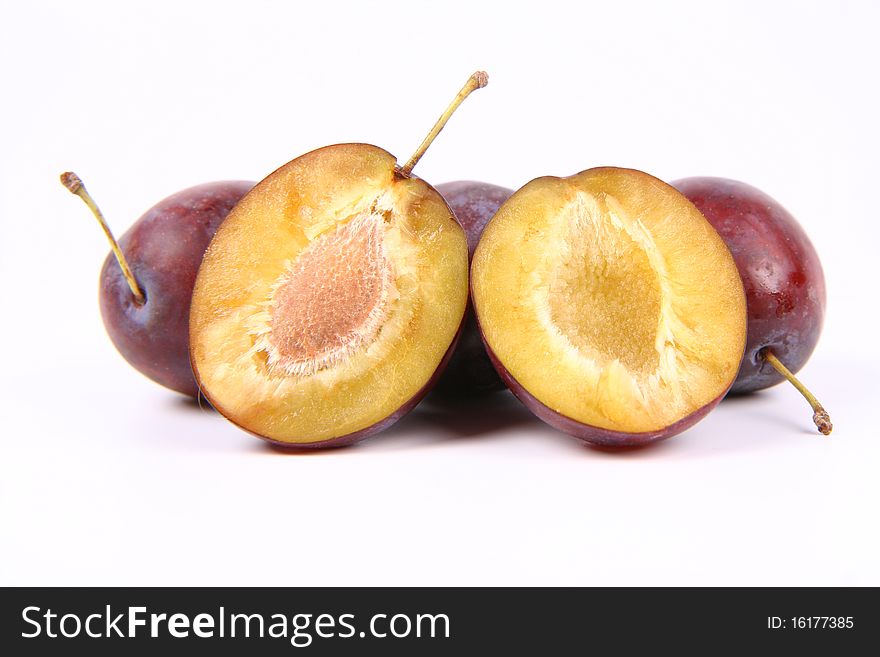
{"type": "Point", "coordinates": [332, 300]}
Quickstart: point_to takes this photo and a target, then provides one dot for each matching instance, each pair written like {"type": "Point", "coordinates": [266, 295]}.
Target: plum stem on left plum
{"type": "Point", "coordinates": [820, 415]}
{"type": "Point", "coordinates": [75, 186]}
{"type": "Point", "coordinates": [476, 81]}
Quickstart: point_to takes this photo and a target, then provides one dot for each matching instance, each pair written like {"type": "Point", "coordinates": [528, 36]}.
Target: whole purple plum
{"type": "Point", "coordinates": [145, 292]}
{"type": "Point", "coordinates": [782, 276]}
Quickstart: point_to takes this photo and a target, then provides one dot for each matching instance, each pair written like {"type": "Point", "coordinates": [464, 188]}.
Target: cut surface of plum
{"type": "Point", "coordinates": [607, 299]}
{"type": "Point", "coordinates": [329, 298]}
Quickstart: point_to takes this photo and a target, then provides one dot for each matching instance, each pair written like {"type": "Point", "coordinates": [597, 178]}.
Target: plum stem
{"type": "Point", "coordinates": [476, 81]}
{"type": "Point", "coordinates": [820, 415]}
{"type": "Point", "coordinates": [75, 186]}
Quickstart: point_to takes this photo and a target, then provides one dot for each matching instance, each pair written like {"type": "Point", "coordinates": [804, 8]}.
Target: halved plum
{"type": "Point", "coordinates": [609, 305]}
{"type": "Point", "coordinates": [329, 299]}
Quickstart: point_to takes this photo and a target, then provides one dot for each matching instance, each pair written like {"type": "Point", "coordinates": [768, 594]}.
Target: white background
{"type": "Point", "coordinates": [106, 478]}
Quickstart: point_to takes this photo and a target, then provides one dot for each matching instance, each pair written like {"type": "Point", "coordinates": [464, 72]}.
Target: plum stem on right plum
{"type": "Point", "coordinates": [476, 81]}
{"type": "Point", "coordinates": [74, 185]}
{"type": "Point", "coordinates": [820, 415]}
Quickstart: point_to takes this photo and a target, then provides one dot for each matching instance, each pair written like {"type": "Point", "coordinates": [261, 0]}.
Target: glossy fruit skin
{"type": "Point", "coordinates": [470, 372]}
{"type": "Point", "coordinates": [781, 273]}
{"type": "Point", "coordinates": [164, 249]}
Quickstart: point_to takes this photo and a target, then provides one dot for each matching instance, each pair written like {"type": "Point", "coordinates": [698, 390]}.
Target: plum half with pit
{"type": "Point", "coordinates": [470, 373]}
{"type": "Point", "coordinates": [783, 279]}
{"type": "Point", "coordinates": [147, 280]}
{"type": "Point", "coordinates": [330, 299]}
{"type": "Point", "coordinates": [609, 305]}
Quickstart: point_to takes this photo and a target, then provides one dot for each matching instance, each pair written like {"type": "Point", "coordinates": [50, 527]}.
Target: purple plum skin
{"type": "Point", "coordinates": [781, 273]}
{"type": "Point", "coordinates": [470, 373]}
{"type": "Point", "coordinates": [164, 249]}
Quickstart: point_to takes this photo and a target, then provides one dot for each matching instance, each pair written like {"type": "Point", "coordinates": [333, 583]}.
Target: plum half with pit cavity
{"type": "Point", "coordinates": [609, 305]}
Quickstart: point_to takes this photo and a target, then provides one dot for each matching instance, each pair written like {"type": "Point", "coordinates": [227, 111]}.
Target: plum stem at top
{"type": "Point", "coordinates": [476, 81]}
{"type": "Point", "coordinates": [75, 186]}
{"type": "Point", "coordinates": [820, 415]}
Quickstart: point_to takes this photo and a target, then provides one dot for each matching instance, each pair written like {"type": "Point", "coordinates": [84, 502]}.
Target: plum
{"type": "Point", "coordinates": [783, 279]}
{"type": "Point", "coordinates": [147, 280]}
{"type": "Point", "coordinates": [609, 305]}
{"type": "Point", "coordinates": [331, 298]}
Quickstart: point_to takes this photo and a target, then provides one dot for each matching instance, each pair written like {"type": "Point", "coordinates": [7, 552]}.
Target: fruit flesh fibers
{"type": "Point", "coordinates": [317, 224]}
{"type": "Point", "coordinates": [610, 300]}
